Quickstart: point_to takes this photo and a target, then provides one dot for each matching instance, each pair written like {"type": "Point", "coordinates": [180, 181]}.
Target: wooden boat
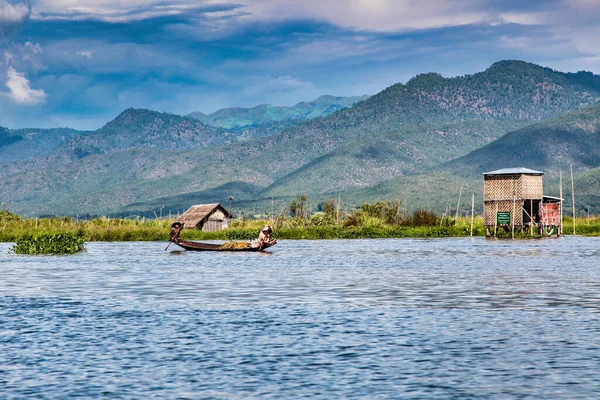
{"type": "Point", "coordinates": [176, 228]}
{"type": "Point", "coordinates": [199, 246]}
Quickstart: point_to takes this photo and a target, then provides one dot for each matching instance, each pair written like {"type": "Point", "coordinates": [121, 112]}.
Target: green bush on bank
{"type": "Point", "coordinates": [61, 243]}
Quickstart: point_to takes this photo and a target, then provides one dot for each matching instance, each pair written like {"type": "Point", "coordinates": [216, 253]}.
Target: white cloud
{"type": "Point", "coordinates": [120, 11]}
{"type": "Point", "coordinates": [85, 54]}
{"type": "Point", "coordinates": [13, 13]}
{"type": "Point", "coordinates": [20, 90]}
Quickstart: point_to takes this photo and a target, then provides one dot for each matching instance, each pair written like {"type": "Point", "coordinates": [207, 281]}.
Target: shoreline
{"type": "Point", "coordinates": [136, 230]}
{"type": "Point", "coordinates": [321, 233]}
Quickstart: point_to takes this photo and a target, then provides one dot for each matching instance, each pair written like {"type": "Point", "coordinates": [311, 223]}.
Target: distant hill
{"type": "Point", "coordinates": [405, 136]}
{"type": "Point", "coordinates": [550, 146]}
{"type": "Point", "coordinates": [25, 144]}
{"type": "Point", "coordinates": [238, 117]}
{"type": "Point", "coordinates": [136, 129]}
{"type": "Point", "coordinates": [132, 129]}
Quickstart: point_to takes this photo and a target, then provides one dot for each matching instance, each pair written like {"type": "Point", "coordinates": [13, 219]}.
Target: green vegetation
{"type": "Point", "coordinates": [6, 216]}
{"type": "Point", "coordinates": [59, 243]}
{"type": "Point", "coordinates": [379, 220]}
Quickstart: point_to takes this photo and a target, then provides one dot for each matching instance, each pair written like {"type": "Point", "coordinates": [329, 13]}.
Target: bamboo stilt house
{"type": "Point", "coordinates": [514, 200]}
{"type": "Point", "coordinates": [206, 217]}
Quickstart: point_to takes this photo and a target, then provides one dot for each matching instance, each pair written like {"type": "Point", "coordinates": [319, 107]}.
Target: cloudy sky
{"type": "Point", "coordinates": [78, 63]}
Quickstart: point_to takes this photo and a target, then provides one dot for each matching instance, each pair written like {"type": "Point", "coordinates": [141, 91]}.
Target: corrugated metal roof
{"type": "Point", "coordinates": [514, 171]}
{"type": "Point", "coordinates": [197, 213]}
{"type": "Point", "coordinates": [552, 198]}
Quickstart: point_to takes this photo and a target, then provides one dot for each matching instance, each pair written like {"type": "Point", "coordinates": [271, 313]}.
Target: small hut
{"type": "Point", "coordinates": [206, 217]}
{"type": "Point", "coordinates": [514, 199]}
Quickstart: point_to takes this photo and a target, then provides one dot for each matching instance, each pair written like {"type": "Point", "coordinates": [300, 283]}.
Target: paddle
{"type": "Point", "coordinates": [174, 236]}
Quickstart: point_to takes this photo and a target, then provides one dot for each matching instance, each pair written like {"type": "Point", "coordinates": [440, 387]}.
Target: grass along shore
{"type": "Point", "coordinates": [13, 228]}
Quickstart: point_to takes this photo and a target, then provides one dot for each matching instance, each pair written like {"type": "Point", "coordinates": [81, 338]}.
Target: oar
{"type": "Point", "coordinates": [176, 234]}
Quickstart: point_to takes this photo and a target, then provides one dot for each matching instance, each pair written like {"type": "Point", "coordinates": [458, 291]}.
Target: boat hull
{"type": "Point", "coordinates": [199, 246]}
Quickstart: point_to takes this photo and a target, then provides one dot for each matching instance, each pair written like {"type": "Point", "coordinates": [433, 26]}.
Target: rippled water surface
{"type": "Point", "coordinates": [437, 319]}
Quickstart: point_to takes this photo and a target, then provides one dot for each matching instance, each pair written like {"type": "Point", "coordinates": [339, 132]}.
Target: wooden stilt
{"type": "Point", "coordinates": [472, 212]}
{"type": "Point", "coordinates": [531, 217]}
{"type": "Point", "coordinates": [496, 222]}
{"type": "Point", "coordinates": [513, 217]}
{"type": "Point", "coordinates": [573, 197]}
{"type": "Point", "coordinates": [560, 229]}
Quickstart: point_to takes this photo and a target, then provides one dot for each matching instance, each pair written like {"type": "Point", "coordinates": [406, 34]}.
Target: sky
{"type": "Point", "coordinates": [79, 63]}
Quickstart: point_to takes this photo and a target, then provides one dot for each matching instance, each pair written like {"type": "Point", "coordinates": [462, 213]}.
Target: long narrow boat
{"type": "Point", "coordinates": [176, 228]}
{"type": "Point", "coordinates": [199, 246]}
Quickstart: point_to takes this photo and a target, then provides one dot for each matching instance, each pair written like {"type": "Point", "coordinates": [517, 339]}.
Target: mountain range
{"type": "Point", "coordinates": [420, 141]}
{"type": "Point", "coordinates": [238, 117]}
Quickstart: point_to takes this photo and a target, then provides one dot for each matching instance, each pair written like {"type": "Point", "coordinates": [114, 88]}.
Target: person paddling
{"type": "Point", "coordinates": [264, 238]}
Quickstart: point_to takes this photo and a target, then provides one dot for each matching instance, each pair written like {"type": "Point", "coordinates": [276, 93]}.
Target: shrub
{"type": "Point", "coordinates": [7, 216]}
{"type": "Point", "coordinates": [330, 207]}
{"type": "Point", "coordinates": [362, 218]}
{"type": "Point", "coordinates": [61, 243]}
{"type": "Point", "coordinates": [422, 217]}
{"type": "Point", "coordinates": [388, 211]}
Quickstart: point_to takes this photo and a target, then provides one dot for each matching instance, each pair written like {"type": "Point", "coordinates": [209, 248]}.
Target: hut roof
{"type": "Point", "coordinates": [514, 171]}
{"type": "Point", "coordinates": [198, 212]}
{"type": "Point", "coordinates": [551, 199]}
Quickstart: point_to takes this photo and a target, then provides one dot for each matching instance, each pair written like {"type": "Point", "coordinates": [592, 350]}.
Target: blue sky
{"type": "Point", "coordinates": [78, 63]}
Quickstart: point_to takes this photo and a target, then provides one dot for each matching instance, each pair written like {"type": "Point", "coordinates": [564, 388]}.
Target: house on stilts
{"type": "Point", "coordinates": [514, 201]}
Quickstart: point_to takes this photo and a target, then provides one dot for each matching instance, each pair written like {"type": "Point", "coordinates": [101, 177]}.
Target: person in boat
{"type": "Point", "coordinates": [176, 228]}
{"type": "Point", "coordinates": [264, 238]}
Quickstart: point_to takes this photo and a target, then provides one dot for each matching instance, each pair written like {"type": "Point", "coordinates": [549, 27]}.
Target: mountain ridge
{"type": "Point", "coordinates": [246, 117]}
{"type": "Point", "coordinates": [406, 131]}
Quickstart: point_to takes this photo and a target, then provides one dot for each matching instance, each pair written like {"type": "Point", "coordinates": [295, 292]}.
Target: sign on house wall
{"type": "Point", "coordinates": [503, 218]}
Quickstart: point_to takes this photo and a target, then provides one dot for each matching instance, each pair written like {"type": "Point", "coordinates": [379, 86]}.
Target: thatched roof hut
{"type": "Point", "coordinates": [207, 217]}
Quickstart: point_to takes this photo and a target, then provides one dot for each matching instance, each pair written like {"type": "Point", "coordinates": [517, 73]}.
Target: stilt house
{"type": "Point", "coordinates": [514, 200]}
{"type": "Point", "coordinates": [206, 217]}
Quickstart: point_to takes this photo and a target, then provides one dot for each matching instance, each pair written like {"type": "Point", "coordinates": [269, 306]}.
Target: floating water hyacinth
{"type": "Point", "coordinates": [61, 243]}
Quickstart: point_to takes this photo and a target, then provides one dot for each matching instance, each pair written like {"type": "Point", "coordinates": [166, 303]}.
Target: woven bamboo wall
{"type": "Point", "coordinates": [532, 187]}
{"type": "Point", "coordinates": [502, 187]}
{"type": "Point", "coordinates": [505, 205]}
{"type": "Point", "coordinates": [509, 187]}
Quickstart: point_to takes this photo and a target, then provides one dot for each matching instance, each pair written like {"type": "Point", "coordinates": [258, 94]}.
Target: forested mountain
{"type": "Point", "coordinates": [238, 117]}
{"type": "Point", "coordinates": [402, 138]}
{"type": "Point", "coordinates": [550, 145]}
{"type": "Point", "coordinates": [132, 129]}
{"type": "Point", "coordinates": [141, 129]}
{"type": "Point", "coordinates": [24, 144]}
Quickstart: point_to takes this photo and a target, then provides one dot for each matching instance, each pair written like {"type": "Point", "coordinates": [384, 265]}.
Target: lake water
{"type": "Point", "coordinates": [426, 319]}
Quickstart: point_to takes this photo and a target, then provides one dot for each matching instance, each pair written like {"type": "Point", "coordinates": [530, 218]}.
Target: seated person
{"type": "Point", "coordinates": [264, 238]}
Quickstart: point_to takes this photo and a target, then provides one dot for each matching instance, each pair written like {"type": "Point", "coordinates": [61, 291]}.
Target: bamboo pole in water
{"type": "Point", "coordinates": [472, 212]}
{"type": "Point", "coordinates": [338, 208]}
{"type": "Point", "coordinates": [573, 197]}
{"type": "Point", "coordinates": [513, 217]}
{"type": "Point", "coordinates": [560, 231]}
{"type": "Point", "coordinates": [496, 222]}
{"type": "Point", "coordinates": [458, 204]}
{"type": "Point", "coordinates": [514, 209]}
{"type": "Point", "coordinates": [531, 217]}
